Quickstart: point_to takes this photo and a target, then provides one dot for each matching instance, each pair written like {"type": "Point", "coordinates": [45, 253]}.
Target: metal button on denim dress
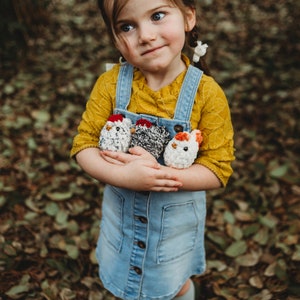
{"type": "Point", "coordinates": [150, 243]}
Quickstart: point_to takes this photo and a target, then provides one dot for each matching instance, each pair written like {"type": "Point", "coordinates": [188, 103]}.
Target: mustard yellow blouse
{"type": "Point", "coordinates": [210, 114]}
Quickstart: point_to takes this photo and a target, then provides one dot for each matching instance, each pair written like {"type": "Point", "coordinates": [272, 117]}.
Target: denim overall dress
{"type": "Point", "coordinates": [151, 242]}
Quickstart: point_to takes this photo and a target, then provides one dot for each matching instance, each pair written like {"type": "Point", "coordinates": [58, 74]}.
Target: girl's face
{"type": "Point", "coordinates": [150, 34]}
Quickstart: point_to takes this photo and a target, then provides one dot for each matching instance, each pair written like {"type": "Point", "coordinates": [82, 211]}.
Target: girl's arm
{"type": "Point", "coordinates": [139, 174]}
{"type": "Point", "coordinates": [194, 178]}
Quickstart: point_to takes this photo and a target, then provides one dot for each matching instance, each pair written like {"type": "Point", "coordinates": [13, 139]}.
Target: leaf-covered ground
{"type": "Point", "coordinates": [50, 210]}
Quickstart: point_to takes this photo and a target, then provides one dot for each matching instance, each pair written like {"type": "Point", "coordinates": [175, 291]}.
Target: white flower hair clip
{"type": "Point", "coordinates": [200, 50]}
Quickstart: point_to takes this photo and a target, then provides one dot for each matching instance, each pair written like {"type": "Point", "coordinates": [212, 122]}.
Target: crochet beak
{"type": "Point", "coordinates": [174, 145]}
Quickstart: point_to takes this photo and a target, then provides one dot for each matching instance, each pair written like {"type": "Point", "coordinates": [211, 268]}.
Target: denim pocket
{"type": "Point", "coordinates": [112, 218]}
{"type": "Point", "coordinates": [178, 231]}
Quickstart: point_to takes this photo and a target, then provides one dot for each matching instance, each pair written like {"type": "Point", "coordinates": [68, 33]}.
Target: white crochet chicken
{"type": "Point", "coordinates": [115, 134]}
{"type": "Point", "coordinates": [182, 150]}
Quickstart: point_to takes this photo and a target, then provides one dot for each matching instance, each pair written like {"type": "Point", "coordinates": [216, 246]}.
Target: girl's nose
{"type": "Point", "coordinates": [146, 33]}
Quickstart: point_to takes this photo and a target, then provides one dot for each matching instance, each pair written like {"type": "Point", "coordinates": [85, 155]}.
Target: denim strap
{"type": "Point", "coordinates": [123, 93]}
{"type": "Point", "coordinates": [187, 94]}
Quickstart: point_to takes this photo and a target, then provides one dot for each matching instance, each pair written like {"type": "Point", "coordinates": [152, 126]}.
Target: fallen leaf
{"type": "Point", "coordinates": [60, 196]}
{"type": "Point", "coordinates": [248, 260]}
{"type": "Point", "coordinates": [256, 282]}
{"type": "Point", "coordinates": [236, 249]}
{"type": "Point", "coordinates": [270, 270]}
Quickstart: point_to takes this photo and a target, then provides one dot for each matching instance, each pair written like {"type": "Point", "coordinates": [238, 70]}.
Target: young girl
{"type": "Point", "coordinates": [152, 231]}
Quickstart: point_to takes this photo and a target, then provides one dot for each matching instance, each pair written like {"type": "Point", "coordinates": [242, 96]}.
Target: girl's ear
{"type": "Point", "coordinates": [190, 19]}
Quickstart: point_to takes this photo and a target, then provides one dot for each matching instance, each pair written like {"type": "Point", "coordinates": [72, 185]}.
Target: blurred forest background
{"type": "Point", "coordinates": [51, 54]}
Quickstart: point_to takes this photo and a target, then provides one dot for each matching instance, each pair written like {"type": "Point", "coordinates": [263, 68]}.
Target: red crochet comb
{"type": "Point", "coordinates": [182, 136]}
{"type": "Point", "coordinates": [115, 118]}
{"type": "Point", "coordinates": [143, 122]}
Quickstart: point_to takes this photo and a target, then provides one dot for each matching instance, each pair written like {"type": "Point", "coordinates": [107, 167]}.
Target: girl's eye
{"type": "Point", "coordinates": [158, 16]}
{"type": "Point", "coordinates": [126, 27]}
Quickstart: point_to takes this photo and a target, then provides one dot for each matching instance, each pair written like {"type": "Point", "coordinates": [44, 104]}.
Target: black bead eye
{"type": "Point", "coordinates": [186, 148]}
{"type": "Point", "coordinates": [118, 128]}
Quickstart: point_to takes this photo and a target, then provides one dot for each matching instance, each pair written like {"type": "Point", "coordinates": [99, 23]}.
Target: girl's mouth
{"type": "Point", "coordinates": [152, 50]}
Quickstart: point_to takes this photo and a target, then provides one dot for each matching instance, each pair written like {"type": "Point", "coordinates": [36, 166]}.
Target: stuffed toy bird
{"type": "Point", "coordinates": [182, 150]}
{"type": "Point", "coordinates": [151, 137]}
{"type": "Point", "coordinates": [116, 134]}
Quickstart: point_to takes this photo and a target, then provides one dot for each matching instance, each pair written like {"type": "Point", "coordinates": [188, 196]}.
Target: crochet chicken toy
{"type": "Point", "coordinates": [151, 137]}
{"type": "Point", "coordinates": [116, 134]}
{"type": "Point", "coordinates": [182, 150]}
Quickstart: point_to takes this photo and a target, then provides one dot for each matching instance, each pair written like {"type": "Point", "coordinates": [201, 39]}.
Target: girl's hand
{"type": "Point", "coordinates": [146, 175]}
{"type": "Point", "coordinates": [141, 172]}
{"type": "Point", "coordinates": [123, 158]}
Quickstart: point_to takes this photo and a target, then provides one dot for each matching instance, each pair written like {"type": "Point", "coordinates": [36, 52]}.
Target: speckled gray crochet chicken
{"type": "Point", "coordinates": [151, 137]}
{"type": "Point", "coordinates": [115, 134]}
{"type": "Point", "coordinates": [182, 150]}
